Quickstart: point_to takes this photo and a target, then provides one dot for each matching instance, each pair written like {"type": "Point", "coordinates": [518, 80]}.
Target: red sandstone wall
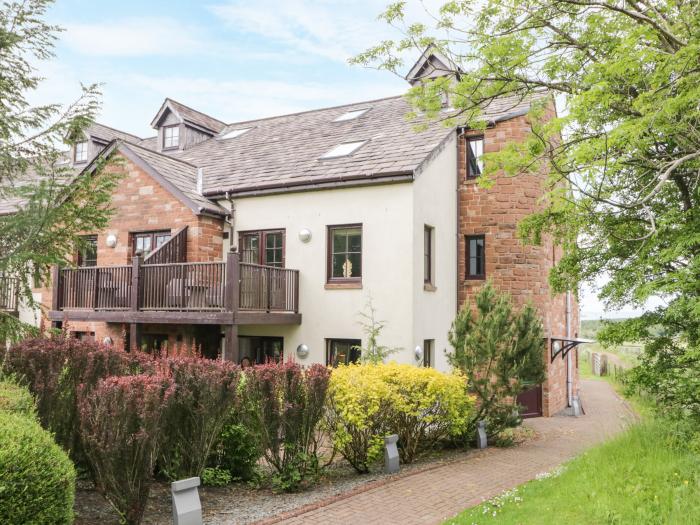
{"type": "Point", "coordinates": [141, 204]}
{"type": "Point", "coordinates": [515, 268]}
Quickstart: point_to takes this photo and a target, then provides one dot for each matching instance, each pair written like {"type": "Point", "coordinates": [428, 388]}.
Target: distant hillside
{"type": "Point", "coordinates": [589, 328]}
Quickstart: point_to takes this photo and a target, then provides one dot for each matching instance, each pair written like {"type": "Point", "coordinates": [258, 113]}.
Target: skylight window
{"type": "Point", "coordinates": [351, 115]}
{"type": "Point", "coordinates": [343, 150]}
{"type": "Point", "coordinates": [234, 133]}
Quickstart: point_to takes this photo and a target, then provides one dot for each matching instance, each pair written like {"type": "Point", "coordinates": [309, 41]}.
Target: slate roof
{"type": "Point", "coordinates": [182, 175]}
{"type": "Point", "coordinates": [284, 151]}
{"type": "Point", "coordinates": [107, 134]}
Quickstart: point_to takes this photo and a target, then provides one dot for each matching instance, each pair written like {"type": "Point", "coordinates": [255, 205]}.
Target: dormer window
{"type": "Point", "coordinates": [171, 137]}
{"type": "Point", "coordinates": [81, 152]}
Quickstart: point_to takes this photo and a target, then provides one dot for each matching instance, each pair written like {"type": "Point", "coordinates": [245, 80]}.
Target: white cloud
{"type": "Point", "coordinates": [132, 37]}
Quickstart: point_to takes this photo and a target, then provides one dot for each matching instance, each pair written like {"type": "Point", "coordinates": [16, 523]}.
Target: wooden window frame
{"type": "Point", "coordinates": [428, 257]}
{"type": "Point", "coordinates": [467, 275]}
{"type": "Point", "coordinates": [152, 233]}
{"type": "Point", "coordinates": [428, 352]}
{"type": "Point", "coordinates": [81, 254]}
{"type": "Point", "coordinates": [82, 143]}
{"type": "Point", "coordinates": [467, 154]}
{"type": "Point", "coordinates": [262, 243]}
{"type": "Point", "coordinates": [172, 146]}
{"type": "Point", "coordinates": [330, 341]}
{"type": "Point", "coordinates": [351, 281]}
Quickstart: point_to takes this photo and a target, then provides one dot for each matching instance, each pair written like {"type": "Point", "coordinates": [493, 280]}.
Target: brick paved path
{"type": "Point", "coordinates": [431, 496]}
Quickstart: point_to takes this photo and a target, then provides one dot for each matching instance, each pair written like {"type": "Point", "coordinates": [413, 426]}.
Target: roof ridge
{"type": "Point", "coordinates": [195, 110]}
{"type": "Point", "coordinates": [115, 129]}
{"type": "Point", "coordinates": [314, 110]}
{"type": "Point", "coordinates": [131, 144]}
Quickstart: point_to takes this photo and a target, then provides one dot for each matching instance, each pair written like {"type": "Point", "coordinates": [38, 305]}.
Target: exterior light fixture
{"type": "Point", "coordinates": [418, 353]}
{"type": "Point", "coordinates": [302, 351]}
{"type": "Point", "coordinates": [305, 235]}
{"type": "Point", "coordinates": [111, 240]}
{"type": "Point", "coordinates": [107, 341]}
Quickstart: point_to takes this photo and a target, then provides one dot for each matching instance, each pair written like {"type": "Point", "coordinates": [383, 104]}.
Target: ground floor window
{"type": "Point", "coordinates": [258, 349]}
{"type": "Point", "coordinates": [342, 351]}
{"type": "Point", "coordinates": [154, 343]}
{"type": "Point", "coordinates": [83, 336]}
{"type": "Point", "coordinates": [428, 345]}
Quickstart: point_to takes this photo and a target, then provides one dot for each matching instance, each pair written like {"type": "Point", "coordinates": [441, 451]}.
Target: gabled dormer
{"type": "Point", "coordinates": [92, 141]}
{"type": "Point", "coordinates": [433, 64]}
{"type": "Point", "coordinates": [180, 126]}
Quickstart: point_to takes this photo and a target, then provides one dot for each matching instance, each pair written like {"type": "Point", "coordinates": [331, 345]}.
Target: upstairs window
{"type": "Point", "coordinates": [345, 253]}
{"type": "Point", "coordinates": [263, 247]}
{"type": "Point", "coordinates": [343, 150]}
{"type": "Point", "coordinates": [144, 243]}
{"type": "Point", "coordinates": [87, 256]}
{"type": "Point", "coordinates": [351, 115]}
{"type": "Point", "coordinates": [476, 257]}
{"type": "Point", "coordinates": [428, 255]}
{"type": "Point", "coordinates": [171, 137]}
{"type": "Point", "coordinates": [475, 157]}
{"type": "Point", "coordinates": [81, 152]}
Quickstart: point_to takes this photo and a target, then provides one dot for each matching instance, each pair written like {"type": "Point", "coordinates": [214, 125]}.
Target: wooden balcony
{"type": "Point", "coordinates": [9, 292]}
{"type": "Point", "coordinates": [227, 293]}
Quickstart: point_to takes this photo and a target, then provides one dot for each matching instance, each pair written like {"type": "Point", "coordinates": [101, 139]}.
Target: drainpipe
{"type": "Point", "coordinates": [458, 283]}
{"type": "Point", "coordinates": [233, 243]}
{"type": "Point", "coordinates": [569, 373]}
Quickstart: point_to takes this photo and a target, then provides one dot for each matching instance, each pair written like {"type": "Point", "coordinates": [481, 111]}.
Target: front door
{"type": "Point", "coordinates": [530, 402]}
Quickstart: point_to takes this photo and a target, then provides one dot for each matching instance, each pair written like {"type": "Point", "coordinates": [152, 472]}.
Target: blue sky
{"type": "Point", "coordinates": [232, 59]}
{"type": "Point", "coordinates": [235, 60]}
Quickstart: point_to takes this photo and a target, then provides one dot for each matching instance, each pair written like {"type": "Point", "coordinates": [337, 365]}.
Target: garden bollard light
{"type": "Point", "coordinates": [481, 441]}
{"type": "Point", "coordinates": [187, 509]}
{"type": "Point", "coordinates": [391, 454]}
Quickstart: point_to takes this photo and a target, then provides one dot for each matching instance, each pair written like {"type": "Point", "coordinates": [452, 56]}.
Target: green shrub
{"type": "Point", "coordinates": [37, 480]}
{"type": "Point", "coordinates": [216, 477]}
{"type": "Point", "coordinates": [238, 449]}
{"type": "Point", "coordinates": [16, 399]}
{"type": "Point", "coordinates": [368, 402]}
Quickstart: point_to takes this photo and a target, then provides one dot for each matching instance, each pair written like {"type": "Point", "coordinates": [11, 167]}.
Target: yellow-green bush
{"type": "Point", "coordinates": [368, 402]}
{"type": "Point", "coordinates": [17, 399]}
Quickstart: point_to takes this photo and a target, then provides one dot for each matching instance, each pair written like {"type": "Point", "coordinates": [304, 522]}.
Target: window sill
{"type": "Point", "coordinates": [429, 287]}
{"type": "Point", "coordinates": [344, 286]}
{"type": "Point", "coordinates": [473, 279]}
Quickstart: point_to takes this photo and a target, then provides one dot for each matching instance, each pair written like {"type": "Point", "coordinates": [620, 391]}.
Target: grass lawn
{"type": "Point", "coordinates": [637, 478]}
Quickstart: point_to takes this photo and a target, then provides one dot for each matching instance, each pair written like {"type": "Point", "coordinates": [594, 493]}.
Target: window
{"type": "Point", "coordinates": [234, 133]}
{"type": "Point", "coordinates": [476, 256]}
{"type": "Point", "coordinates": [345, 253]}
{"type": "Point", "coordinates": [83, 336]}
{"type": "Point", "coordinates": [428, 346]}
{"type": "Point", "coordinates": [87, 256]}
{"type": "Point", "coordinates": [475, 154]}
{"type": "Point", "coordinates": [171, 137]}
{"type": "Point", "coordinates": [81, 152]}
{"type": "Point", "coordinates": [351, 115]}
{"type": "Point", "coordinates": [144, 243]}
{"type": "Point", "coordinates": [263, 247]}
{"type": "Point", "coordinates": [154, 343]}
{"type": "Point", "coordinates": [428, 254]}
{"type": "Point", "coordinates": [260, 350]}
{"type": "Point", "coordinates": [343, 150]}
{"type": "Point", "coordinates": [342, 351]}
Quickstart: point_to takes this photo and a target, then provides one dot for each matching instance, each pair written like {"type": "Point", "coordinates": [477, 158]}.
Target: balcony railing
{"type": "Point", "coordinates": [9, 290]}
{"type": "Point", "coordinates": [179, 287]}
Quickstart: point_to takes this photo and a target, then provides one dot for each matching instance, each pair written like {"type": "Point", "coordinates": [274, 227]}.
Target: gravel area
{"type": "Point", "coordinates": [240, 503]}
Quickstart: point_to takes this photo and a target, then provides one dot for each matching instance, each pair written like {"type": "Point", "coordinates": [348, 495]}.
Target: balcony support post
{"type": "Point", "coordinates": [231, 302]}
{"type": "Point", "coordinates": [55, 292]}
{"type": "Point", "coordinates": [135, 328]}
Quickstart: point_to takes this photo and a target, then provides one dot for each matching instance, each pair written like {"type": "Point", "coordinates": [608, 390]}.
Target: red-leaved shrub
{"type": "Point", "coordinates": [121, 424]}
{"type": "Point", "coordinates": [205, 393]}
{"type": "Point", "coordinates": [283, 406]}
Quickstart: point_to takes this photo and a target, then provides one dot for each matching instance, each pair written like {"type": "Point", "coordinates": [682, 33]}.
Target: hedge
{"type": "Point", "coordinates": [37, 480]}
{"type": "Point", "coordinates": [16, 399]}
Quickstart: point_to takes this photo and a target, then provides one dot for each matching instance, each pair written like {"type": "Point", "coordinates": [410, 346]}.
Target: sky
{"type": "Point", "coordinates": [235, 60]}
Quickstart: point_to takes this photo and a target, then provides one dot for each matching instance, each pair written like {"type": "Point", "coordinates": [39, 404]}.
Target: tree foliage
{"type": "Point", "coordinates": [46, 205]}
{"type": "Point", "coordinates": [500, 351]}
{"type": "Point", "coordinates": [622, 158]}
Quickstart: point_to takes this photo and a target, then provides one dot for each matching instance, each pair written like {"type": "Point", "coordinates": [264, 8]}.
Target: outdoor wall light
{"type": "Point", "coordinates": [111, 240]}
{"type": "Point", "coordinates": [107, 341]}
{"type": "Point", "coordinates": [418, 353]}
{"type": "Point", "coordinates": [305, 235]}
{"type": "Point", "coordinates": [302, 351]}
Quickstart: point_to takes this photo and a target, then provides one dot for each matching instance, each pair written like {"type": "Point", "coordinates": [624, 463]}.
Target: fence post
{"type": "Point", "coordinates": [56, 287]}
{"type": "Point", "coordinates": [135, 328]}
{"type": "Point", "coordinates": [231, 303]}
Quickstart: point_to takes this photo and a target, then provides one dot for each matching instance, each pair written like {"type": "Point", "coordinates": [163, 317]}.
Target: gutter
{"type": "Point", "coordinates": [305, 185]}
